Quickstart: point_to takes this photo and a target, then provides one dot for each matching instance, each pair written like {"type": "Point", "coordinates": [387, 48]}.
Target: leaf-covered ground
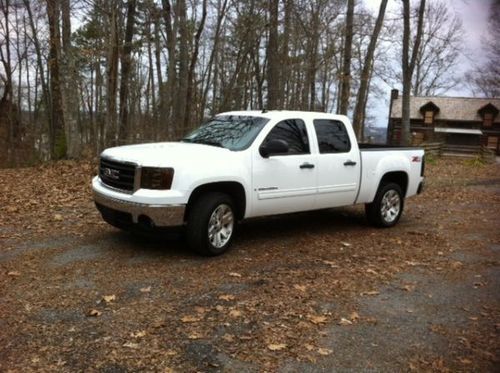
{"type": "Point", "coordinates": [303, 292]}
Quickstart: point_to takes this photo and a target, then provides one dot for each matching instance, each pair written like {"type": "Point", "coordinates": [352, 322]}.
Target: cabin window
{"type": "Point", "coordinates": [428, 117]}
{"type": "Point", "coordinates": [488, 119]}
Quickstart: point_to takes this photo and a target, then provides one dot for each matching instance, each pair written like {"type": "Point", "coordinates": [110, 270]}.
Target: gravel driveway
{"type": "Point", "coordinates": [309, 292]}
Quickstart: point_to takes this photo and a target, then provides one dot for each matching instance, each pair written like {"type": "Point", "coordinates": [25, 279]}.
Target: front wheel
{"type": "Point", "coordinates": [211, 224]}
{"type": "Point", "coordinates": [387, 207]}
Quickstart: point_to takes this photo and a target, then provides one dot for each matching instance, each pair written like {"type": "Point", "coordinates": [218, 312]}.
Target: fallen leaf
{"type": "Point", "coordinates": [324, 351]}
{"type": "Point", "coordinates": [228, 337]}
{"type": "Point", "coordinates": [344, 321]}
{"type": "Point", "coordinates": [465, 361]}
{"type": "Point", "coordinates": [145, 290]}
{"type": "Point", "coordinates": [190, 318]}
{"type": "Point", "coordinates": [235, 313]}
{"type": "Point", "coordinates": [408, 287]}
{"type": "Point", "coordinates": [138, 334]}
{"type": "Point", "coordinates": [369, 270]}
{"type": "Point", "coordinates": [13, 273]}
{"type": "Point", "coordinates": [94, 313]}
{"type": "Point", "coordinates": [373, 292]}
{"type": "Point", "coordinates": [195, 335]}
{"type": "Point", "coordinates": [131, 345]}
{"type": "Point", "coordinates": [109, 298]}
{"type": "Point", "coordinates": [12, 209]}
{"type": "Point", "coordinates": [234, 274]}
{"type": "Point", "coordinates": [330, 263]}
{"type": "Point", "coordinates": [354, 316]}
{"type": "Point", "coordinates": [276, 347]}
{"type": "Point", "coordinates": [309, 347]}
{"type": "Point", "coordinates": [170, 352]}
{"type": "Point", "coordinates": [346, 244]}
{"type": "Point", "coordinates": [58, 217]}
{"type": "Point", "coordinates": [300, 287]}
{"type": "Point", "coordinates": [219, 308]}
{"type": "Point", "coordinates": [201, 310]}
{"type": "Point", "coordinates": [317, 319]}
{"type": "Point", "coordinates": [226, 297]}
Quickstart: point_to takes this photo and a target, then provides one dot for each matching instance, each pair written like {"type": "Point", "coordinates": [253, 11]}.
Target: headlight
{"type": "Point", "coordinates": [156, 178]}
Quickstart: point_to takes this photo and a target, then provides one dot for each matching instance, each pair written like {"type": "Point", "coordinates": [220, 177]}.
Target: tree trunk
{"type": "Point", "coordinates": [408, 65]}
{"type": "Point", "coordinates": [171, 34]}
{"type": "Point", "coordinates": [123, 130]}
{"type": "Point", "coordinates": [359, 109]}
{"type": "Point", "coordinates": [57, 129]}
{"type": "Point", "coordinates": [69, 84]}
{"type": "Point", "coordinates": [191, 79]}
{"type": "Point", "coordinates": [346, 64]}
{"type": "Point", "coordinates": [112, 78]}
{"type": "Point", "coordinates": [273, 61]}
{"type": "Point", "coordinates": [182, 87]}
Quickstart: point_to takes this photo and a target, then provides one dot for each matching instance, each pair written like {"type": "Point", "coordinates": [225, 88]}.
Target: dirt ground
{"type": "Point", "coordinates": [307, 292]}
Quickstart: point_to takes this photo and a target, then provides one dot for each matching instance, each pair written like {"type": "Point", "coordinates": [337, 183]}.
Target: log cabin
{"type": "Point", "coordinates": [462, 124]}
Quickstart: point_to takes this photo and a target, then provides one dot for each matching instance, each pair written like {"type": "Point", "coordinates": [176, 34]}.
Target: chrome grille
{"type": "Point", "coordinates": [116, 174]}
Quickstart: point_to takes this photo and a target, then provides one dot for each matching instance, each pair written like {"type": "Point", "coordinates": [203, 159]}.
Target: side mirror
{"type": "Point", "coordinates": [274, 147]}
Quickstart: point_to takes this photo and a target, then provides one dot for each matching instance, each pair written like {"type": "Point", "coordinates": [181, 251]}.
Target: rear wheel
{"type": "Point", "coordinates": [387, 206]}
{"type": "Point", "coordinates": [211, 223]}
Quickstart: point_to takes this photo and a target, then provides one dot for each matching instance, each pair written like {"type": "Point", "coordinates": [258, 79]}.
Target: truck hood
{"type": "Point", "coordinates": [168, 154]}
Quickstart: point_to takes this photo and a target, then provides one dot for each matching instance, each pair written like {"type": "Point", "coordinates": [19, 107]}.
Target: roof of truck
{"type": "Point", "coordinates": [284, 114]}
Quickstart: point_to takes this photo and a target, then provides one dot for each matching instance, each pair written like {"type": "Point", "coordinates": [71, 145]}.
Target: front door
{"type": "Point", "coordinates": [286, 182]}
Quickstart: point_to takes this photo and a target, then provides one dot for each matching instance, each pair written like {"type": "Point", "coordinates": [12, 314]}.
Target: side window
{"type": "Point", "coordinates": [332, 136]}
{"type": "Point", "coordinates": [294, 132]}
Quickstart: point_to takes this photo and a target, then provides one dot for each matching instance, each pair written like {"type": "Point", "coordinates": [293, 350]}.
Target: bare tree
{"type": "Point", "coordinates": [273, 60]}
{"type": "Point", "coordinates": [126, 63]}
{"type": "Point", "coordinates": [362, 96]}
{"type": "Point", "coordinates": [485, 78]}
{"type": "Point", "coordinates": [437, 57]}
{"type": "Point", "coordinates": [57, 128]}
{"type": "Point", "coordinates": [346, 61]}
{"type": "Point", "coordinates": [408, 64]}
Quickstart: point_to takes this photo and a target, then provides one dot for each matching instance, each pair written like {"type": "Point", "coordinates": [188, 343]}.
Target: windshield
{"type": "Point", "coordinates": [233, 132]}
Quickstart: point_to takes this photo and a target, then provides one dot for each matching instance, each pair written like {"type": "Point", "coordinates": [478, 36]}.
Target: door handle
{"type": "Point", "coordinates": [306, 165]}
{"type": "Point", "coordinates": [349, 163]}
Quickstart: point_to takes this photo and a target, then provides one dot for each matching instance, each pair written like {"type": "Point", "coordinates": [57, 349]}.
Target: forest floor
{"type": "Point", "coordinates": [308, 292]}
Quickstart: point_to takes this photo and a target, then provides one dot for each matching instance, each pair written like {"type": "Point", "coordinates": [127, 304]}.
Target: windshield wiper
{"type": "Point", "coordinates": [204, 142]}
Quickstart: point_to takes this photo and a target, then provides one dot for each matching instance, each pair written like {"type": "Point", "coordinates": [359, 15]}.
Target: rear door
{"type": "Point", "coordinates": [338, 163]}
{"type": "Point", "coordinates": [286, 182]}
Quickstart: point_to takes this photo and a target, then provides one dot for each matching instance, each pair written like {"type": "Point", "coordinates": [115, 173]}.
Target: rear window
{"type": "Point", "coordinates": [332, 136]}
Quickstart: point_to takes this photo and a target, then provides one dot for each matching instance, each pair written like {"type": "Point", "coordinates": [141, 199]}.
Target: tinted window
{"type": "Point", "coordinates": [332, 136]}
{"type": "Point", "coordinates": [294, 132]}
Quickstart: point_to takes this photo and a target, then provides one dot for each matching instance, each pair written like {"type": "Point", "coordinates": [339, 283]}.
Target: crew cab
{"type": "Point", "coordinates": [247, 164]}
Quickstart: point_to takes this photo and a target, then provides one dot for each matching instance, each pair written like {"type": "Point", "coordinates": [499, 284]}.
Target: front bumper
{"type": "Point", "coordinates": [153, 215]}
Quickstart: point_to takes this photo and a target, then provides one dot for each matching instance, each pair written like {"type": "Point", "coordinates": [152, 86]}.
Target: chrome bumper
{"type": "Point", "coordinates": [160, 215]}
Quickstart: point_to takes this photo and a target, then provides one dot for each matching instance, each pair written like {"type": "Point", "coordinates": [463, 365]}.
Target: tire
{"type": "Point", "coordinates": [211, 224]}
{"type": "Point", "coordinates": [387, 206]}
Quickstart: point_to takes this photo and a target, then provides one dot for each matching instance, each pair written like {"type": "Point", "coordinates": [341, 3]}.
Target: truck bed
{"type": "Point", "coordinates": [379, 147]}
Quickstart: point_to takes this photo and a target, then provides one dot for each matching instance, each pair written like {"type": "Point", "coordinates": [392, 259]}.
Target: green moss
{"type": "Point", "coordinates": [475, 162]}
{"type": "Point", "coordinates": [60, 147]}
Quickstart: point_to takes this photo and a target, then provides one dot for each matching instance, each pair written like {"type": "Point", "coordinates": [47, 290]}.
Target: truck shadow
{"type": "Point", "coordinates": [292, 227]}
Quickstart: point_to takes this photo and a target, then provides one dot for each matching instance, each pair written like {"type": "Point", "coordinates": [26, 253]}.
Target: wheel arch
{"type": "Point", "coordinates": [233, 188]}
{"type": "Point", "coordinates": [398, 177]}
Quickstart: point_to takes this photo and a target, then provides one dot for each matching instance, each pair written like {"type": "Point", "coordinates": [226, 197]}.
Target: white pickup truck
{"type": "Point", "coordinates": [246, 164]}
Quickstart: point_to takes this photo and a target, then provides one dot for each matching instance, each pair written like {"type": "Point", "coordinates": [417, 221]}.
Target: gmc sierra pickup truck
{"type": "Point", "coordinates": [247, 164]}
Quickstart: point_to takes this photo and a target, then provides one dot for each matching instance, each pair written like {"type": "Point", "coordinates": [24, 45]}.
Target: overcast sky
{"type": "Point", "coordinates": [474, 16]}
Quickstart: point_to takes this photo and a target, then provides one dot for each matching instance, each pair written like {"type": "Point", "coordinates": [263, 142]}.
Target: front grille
{"type": "Point", "coordinates": [117, 174]}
